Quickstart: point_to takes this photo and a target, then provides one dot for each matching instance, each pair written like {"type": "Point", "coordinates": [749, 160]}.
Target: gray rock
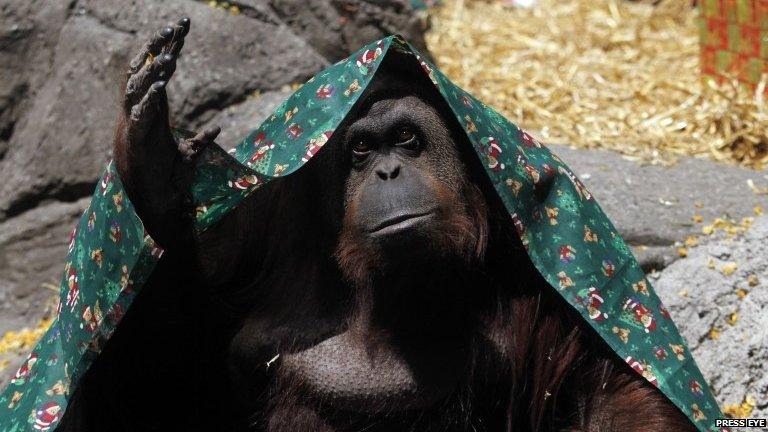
{"type": "Point", "coordinates": [701, 298]}
{"type": "Point", "coordinates": [225, 58]}
{"type": "Point", "coordinates": [336, 28]}
{"type": "Point", "coordinates": [237, 120]}
{"type": "Point", "coordinates": [653, 206]}
{"type": "Point", "coordinates": [28, 35]}
{"type": "Point", "coordinates": [654, 258]}
{"type": "Point", "coordinates": [32, 251]}
{"type": "Point", "coordinates": [60, 144]}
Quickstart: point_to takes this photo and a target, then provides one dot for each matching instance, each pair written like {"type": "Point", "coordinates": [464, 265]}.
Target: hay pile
{"type": "Point", "coordinates": [15, 343]}
{"type": "Point", "coordinates": [601, 73]}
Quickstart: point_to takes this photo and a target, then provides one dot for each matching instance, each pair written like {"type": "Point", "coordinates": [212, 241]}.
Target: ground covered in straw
{"type": "Point", "coordinates": [600, 73]}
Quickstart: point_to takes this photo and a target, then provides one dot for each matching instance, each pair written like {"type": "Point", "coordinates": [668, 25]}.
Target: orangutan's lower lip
{"type": "Point", "coordinates": [401, 222]}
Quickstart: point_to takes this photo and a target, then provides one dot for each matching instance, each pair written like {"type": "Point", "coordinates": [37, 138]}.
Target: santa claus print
{"type": "Point", "coordinates": [533, 173]}
{"type": "Point", "coordinates": [105, 183]}
{"type": "Point", "coordinates": [91, 318]}
{"type": "Point", "coordinates": [492, 149]}
{"type": "Point", "coordinates": [528, 140]}
{"type": "Point", "coordinates": [22, 375]}
{"type": "Point", "coordinates": [115, 233]}
{"type": "Point", "coordinates": [259, 138]}
{"type": "Point", "coordinates": [260, 152]}
{"type": "Point", "coordinates": [643, 369]}
{"type": "Point", "coordinates": [325, 91]}
{"type": "Point", "coordinates": [91, 221]}
{"type": "Point", "coordinates": [695, 388]}
{"type": "Point", "coordinates": [156, 251]}
{"type": "Point", "coordinates": [567, 254]}
{"type": "Point", "coordinates": [366, 59]}
{"type": "Point", "coordinates": [427, 68]}
{"type": "Point", "coordinates": [520, 229]}
{"type": "Point", "coordinates": [315, 144]}
{"type": "Point", "coordinates": [72, 237]}
{"type": "Point", "coordinates": [466, 101]}
{"type": "Point", "coordinates": [641, 314]}
{"type": "Point", "coordinates": [577, 184]}
{"type": "Point", "coordinates": [608, 268]}
{"type": "Point", "coordinates": [46, 416]}
{"type": "Point", "coordinates": [73, 293]}
{"type": "Point", "coordinates": [244, 182]}
{"type": "Point", "coordinates": [294, 131]}
{"type": "Point", "coordinates": [593, 301]}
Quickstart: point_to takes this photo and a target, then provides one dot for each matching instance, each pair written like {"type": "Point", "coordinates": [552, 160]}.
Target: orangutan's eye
{"type": "Point", "coordinates": [407, 139]}
{"type": "Point", "coordinates": [360, 147]}
{"type": "Point", "coordinates": [405, 134]}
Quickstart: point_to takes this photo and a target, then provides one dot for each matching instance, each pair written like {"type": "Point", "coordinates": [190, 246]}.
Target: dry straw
{"type": "Point", "coordinates": [601, 73]}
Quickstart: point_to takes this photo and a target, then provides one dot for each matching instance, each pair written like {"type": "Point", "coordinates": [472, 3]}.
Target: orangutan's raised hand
{"type": "Point", "coordinates": [154, 166]}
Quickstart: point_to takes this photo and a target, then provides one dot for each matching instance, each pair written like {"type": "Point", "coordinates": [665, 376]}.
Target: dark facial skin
{"type": "Point", "coordinates": [399, 149]}
{"type": "Point", "coordinates": [408, 202]}
{"type": "Point", "coordinates": [381, 288]}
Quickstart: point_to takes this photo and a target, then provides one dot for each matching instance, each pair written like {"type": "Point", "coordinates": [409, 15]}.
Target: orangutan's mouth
{"type": "Point", "coordinates": [402, 222]}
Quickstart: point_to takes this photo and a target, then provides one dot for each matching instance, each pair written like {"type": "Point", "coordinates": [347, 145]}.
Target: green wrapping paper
{"type": "Point", "coordinates": [110, 257]}
{"type": "Point", "coordinates": [568, 237]}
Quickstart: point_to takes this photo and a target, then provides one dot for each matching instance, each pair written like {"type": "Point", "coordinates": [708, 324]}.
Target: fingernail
{"type": "Point", "coordinates": [166, 31]}
{"type": "Point", "coordinates": [166, 58]}
{"type": "Point", "coordinates": [184, 23]}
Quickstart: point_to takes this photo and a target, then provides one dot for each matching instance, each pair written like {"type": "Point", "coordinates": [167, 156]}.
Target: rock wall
{"type": "Point", "coordinates": [61, 64]}
{"type": "Point", "coordinates": [718, 296]}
